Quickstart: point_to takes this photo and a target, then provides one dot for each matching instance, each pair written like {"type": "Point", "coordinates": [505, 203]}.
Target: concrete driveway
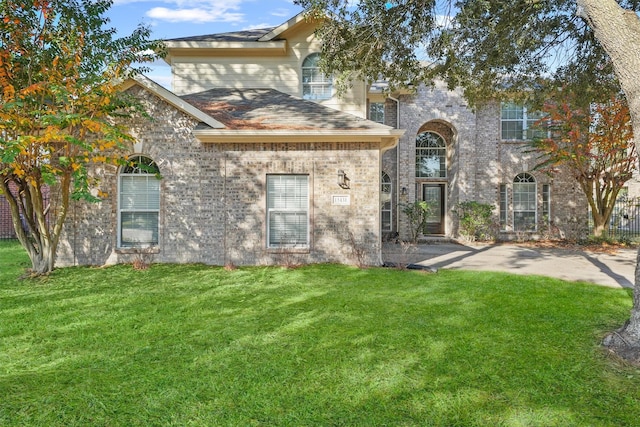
{"type": "Point", "coordinates": [608, 269]}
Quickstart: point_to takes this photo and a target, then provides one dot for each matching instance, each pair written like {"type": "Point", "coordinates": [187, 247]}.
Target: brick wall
{"type": "Point", "coordinates": [6, 223]}
{"type": "Point", "coordinates": [445, 112]}
{"type": "Point", "coordinates": [478, 161]}
{"type": "Point", "coordinates": [213, 206]}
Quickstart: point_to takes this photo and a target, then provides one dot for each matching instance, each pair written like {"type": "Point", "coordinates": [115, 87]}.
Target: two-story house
{"type": "Point", "coordinates": [262, 163]}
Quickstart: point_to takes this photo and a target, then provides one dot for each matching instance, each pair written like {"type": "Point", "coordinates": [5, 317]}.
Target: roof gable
{"type": "Point", "coordinates": [271, 40]}
{"type": "Point", "coordinates": [172, 99]}
{"type": "Point", "coordinates": [277, 31]}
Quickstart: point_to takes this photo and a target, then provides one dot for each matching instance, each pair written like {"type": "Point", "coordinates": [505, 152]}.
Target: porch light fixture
{"type": "Point", "coordinates": [343, 180]}
{"type": "Point", "coordinates": [403, 192]}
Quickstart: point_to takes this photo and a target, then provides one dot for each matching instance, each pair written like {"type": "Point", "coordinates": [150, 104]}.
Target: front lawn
{"type": "Point", "coordinates": [320, 345]}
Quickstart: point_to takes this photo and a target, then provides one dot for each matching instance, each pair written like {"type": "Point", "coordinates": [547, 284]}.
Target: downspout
{"type": "Point", "coordinates": [397, 101]}
{"type": "Point", "coordinates": [226, 213]}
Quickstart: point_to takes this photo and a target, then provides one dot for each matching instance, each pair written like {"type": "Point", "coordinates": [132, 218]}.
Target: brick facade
{"type": "Point", "coordinates": [478, 162]}
{"type": "Point", "coordinates": [6, 222]}
{"type": "Point", "coordinates": [213, 203]}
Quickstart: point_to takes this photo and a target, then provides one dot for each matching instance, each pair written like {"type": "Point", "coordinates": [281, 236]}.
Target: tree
{"type": "Point", "coordinates": [595, 142]}
{"type": "Point", "coordinates": [489, 47]}
{"type": "Point", "coordinates": [59, 71]}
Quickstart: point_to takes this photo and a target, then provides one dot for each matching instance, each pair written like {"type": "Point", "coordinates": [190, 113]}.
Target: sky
{"type": "Point", "coordinates": [182, 18]}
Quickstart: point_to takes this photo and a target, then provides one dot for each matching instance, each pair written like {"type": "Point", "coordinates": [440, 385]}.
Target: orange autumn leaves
{"type": "Point", "coordinates": [594, 141]}
{"type": "Point", "coordinates": [49, 109]}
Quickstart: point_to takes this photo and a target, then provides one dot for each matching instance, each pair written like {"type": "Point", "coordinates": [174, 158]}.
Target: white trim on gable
{"type": "Point", "coordinates": [284, 27]}
{"type": "Point", "coordinates": [172, 99]}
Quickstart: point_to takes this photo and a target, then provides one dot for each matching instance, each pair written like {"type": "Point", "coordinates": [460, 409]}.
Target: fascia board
{"type": "Point", "coordinates": [283, 27]}
{"type": "Point", "coordinates": [185, 47]}
{"type": "Point", "coordinates": [386, 138]}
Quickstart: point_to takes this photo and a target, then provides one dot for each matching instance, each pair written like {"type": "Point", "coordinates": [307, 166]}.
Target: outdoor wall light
{"type": "Point", "coordinates": [403, 192]}
{"type": "Point", "coordinates": [343, 180]}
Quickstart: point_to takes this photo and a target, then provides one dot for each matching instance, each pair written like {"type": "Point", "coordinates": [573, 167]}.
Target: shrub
{"type": "Point", "coordinates": [475, 220]}
{"type": "Point", "coordinates": [417, 212]}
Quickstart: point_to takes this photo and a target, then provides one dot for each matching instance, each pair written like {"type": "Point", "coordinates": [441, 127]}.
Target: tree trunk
{"type": "Point", "coordinates": [39, 243]}
{"type": "Point", "coordinates": [598, 229]}
{"type": "Point", "coordinates": [618, 31]}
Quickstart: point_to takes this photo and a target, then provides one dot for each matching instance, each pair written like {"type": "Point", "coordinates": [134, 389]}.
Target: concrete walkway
{"type": "Point", "coordinates": [608, 269]}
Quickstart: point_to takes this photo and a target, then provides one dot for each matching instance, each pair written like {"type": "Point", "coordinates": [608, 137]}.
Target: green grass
{"type": "Point", "coordinates": [320, 345]}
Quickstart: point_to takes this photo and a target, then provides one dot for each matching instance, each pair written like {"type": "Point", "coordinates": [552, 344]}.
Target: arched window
{"type": "Point", "coordinates": [315, 85]}
{"type": "Point", "coordinates": [138, 203]}
{"type": "Point", "coordinates": [524, 202]}
{"type": "Point", "coordinates": [431, 156]}
{"type": "Point", "coordinates": [385, 202]}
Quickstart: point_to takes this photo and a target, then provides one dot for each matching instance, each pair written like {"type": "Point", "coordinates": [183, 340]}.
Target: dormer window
{"type": "Point", "coordinates": [315, 84]}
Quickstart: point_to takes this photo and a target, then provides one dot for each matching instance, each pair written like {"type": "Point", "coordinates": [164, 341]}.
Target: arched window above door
{"type": "Point", "coordinates": [431, 156]}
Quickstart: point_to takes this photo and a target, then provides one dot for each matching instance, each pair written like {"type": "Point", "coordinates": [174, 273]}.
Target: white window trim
{"type": "Point", "coordinates": [535, 210]}
{"type": "Point", "coordinates": [503, 203]}
{"type": "Point", "coordinates": [269, 211]}
{"type": "Point", "coordinates": [524, 121]}
{"type": "Point", "coordinates": [325, 81]}
{"type": "Point", "coordinates": [119, 244]}
{"type": "Point", "coordinates": [390, 210]}
{"type": "Point", "coordinates": [444, 172]}
{"type": "Point", "coordinates": [371, 104]}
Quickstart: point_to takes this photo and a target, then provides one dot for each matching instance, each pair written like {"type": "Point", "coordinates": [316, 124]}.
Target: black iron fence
{"type": "Point", "coordinates": [625, 219]}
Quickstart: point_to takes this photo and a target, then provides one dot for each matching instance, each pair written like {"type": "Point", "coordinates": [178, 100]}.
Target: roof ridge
{"type": "Point", "coordinates": [250, 34]}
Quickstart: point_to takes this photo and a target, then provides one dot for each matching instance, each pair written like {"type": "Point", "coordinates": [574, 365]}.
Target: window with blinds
{"type": "Point", "coordinates": [138, 203]}
{"type": "Point", "coordinates": [287, 210]}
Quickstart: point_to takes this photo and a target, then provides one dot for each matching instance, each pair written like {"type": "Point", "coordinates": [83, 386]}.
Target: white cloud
{"type": "Point", "coordinates": [281, 12]}
{"type": "Point", "coordinates": [196, 15]}
{"type": "Point", "coordinates": [256, 26]}
{"type": "Point", "coordinates": [119, 2]}
{"type": "Point", "coordinates": [196, 11]}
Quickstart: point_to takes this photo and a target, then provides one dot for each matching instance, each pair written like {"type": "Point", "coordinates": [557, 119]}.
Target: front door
{"type": "Point", "coordinates": [435, 196]}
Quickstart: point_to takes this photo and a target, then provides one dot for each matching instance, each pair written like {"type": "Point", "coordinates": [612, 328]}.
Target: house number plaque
{"type": "Point", "coordinates": [341, 200]}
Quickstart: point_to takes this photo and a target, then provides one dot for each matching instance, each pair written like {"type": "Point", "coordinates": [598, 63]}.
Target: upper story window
{"type": "Point", "coordinates": [138, 203]}
{"type": "Point", "coordinates": [431, 156]}
{"type": "Point", "coordinates": [517, 123]}
{"type": "Point", "coordinates": [315, 85]}
{"type": "Point", "coordinates": [376, 112]}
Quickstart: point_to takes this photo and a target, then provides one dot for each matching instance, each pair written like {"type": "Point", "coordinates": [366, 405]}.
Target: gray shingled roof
{"type": "Point", "coordinates": [236, 36]}
{"type": "Point", "coordinates": [271, 109]}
